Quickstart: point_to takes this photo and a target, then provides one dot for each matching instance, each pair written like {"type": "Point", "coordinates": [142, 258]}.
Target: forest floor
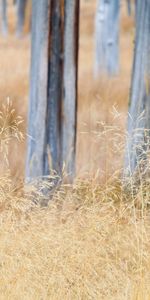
{"type": "Point", "coordinates": [92, 241]}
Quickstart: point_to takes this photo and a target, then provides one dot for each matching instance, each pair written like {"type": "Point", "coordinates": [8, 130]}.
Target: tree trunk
{"type": "Point", "coordinates": [38, 89]}
{"type": "Point", "coordinates": [4, 17]}
{"type": "Point", "coordinates": [129, 7]}
{"type": "Point", "coordinates": [53, 154]}
{"type": "Point", "coordinates": [69, 108]}
{"type": "Point", "coordinates": [139, 107]}
{"type": "Point", "coordinates": [53, 89]}
{"type": "Point", "coordinates": [21, 8]}
{"type": "Point", "coordinates": [107, 37]}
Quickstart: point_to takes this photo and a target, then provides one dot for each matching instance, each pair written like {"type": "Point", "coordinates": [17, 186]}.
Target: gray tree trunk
{"type": "Point", "coordinates": [53, 134]}
{"type": "Point", "coordinates": [69, 109]}
{"type": "Point", "coordinates": [107, 37]}
{"type": "Point", "coordinates": [129, 7]}
{"type": "Point", "coordinates": [139, 107]}
{"type": "Point", "coordinates": [4, 17]}
{"type": "Point", "coordinates": [53, 89]}
{"type": "Point", "coordinates": [21, 8]}
{"type": "Point", "coordinates": [38, 89]}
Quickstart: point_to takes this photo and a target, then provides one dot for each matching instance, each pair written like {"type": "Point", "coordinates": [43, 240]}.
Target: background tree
{"type": "Point", "coordinates": [4, 16]}
{"type": "Point", "coordinates": [107, 37]}
{"type": "Point", "coordinates": [129, 7]}
{"type": "Point", "coordinates": [21, 9]}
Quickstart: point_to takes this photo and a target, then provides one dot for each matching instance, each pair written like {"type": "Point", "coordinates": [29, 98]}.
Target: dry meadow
{"type": "Point", "coordinates": [92, 241]}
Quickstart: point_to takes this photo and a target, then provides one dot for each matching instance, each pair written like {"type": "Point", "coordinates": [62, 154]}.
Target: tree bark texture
{"type": "Point", "coordinates": [53, 91]}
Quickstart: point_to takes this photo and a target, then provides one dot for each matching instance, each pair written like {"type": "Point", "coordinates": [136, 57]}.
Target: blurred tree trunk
{"type": "Point", "coordinates": [21, 9]}
{"type": "Point", "coordinates": [137, 149]}
{"type": "Point", "coordinates": [129, 7]}
{"type": "Point", "coordinates": [107, 37]}
{"type": "Point", "coordinates": [53, 89]}
{"type": "Point", "coordinates": [4, 17]}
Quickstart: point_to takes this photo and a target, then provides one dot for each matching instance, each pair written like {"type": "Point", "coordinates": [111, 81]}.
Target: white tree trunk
{"type": "Point", "coordinates": [107, 37]}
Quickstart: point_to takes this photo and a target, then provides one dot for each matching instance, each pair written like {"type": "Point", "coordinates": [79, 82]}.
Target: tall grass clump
{"type": "Point", "coordinates": [90, 242]}
{"type": "Point", "coordinates": [9, 128]}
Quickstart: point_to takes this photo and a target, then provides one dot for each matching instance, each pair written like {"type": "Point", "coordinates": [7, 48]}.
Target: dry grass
{"type": "Point", "coordinates": [92, 241]}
